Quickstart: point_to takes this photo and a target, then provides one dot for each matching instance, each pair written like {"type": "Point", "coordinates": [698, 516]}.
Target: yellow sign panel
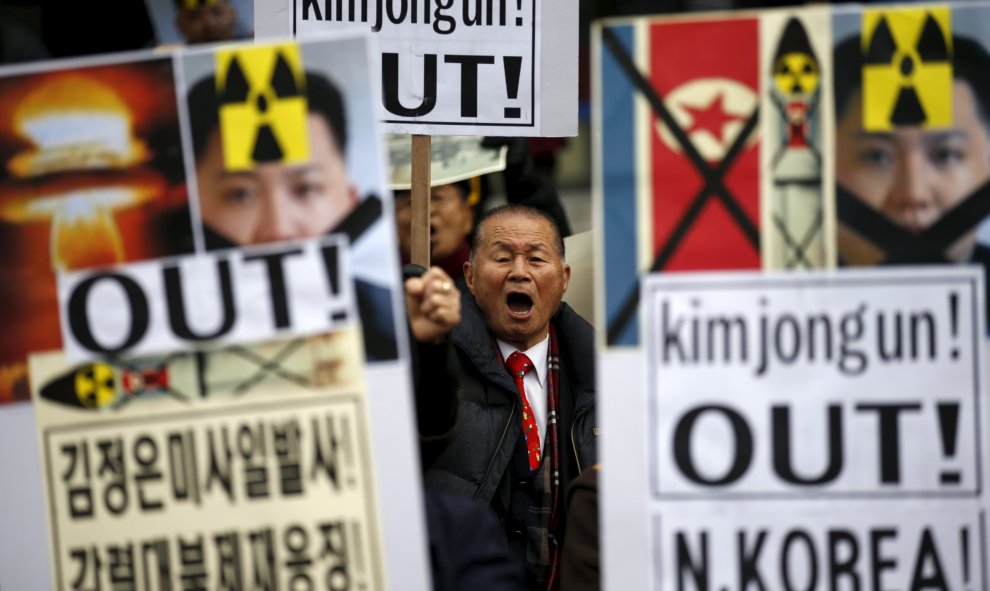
{"type": "Point", "coordinates": [95, 386]}
{"type": "Point", "coordinates": [907, 68]}
{"type": "Point", "coordinates": [796, 73]}
{"type": "Point", "coordinates": [263, 108]}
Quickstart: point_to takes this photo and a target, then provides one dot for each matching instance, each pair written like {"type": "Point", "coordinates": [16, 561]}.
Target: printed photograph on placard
{"type": "Point", "coordinates": [912, 150]}
{"type": "Point", "coordinates": [91, 174]}
{"type": "Point", "coordinates": [286, 147]}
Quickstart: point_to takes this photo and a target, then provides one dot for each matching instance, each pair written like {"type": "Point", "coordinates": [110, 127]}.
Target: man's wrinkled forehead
{"type": "Point", "coordinates": [521, 245]}
{"type": "Point", "coordinates": [507, 231]}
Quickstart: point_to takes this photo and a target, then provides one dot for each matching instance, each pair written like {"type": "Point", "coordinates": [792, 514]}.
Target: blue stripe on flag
{"type": "Point", "coordinates": [619, 185]}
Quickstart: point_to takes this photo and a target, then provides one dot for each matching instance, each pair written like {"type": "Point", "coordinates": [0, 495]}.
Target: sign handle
{"type": "Point", "coordinates": [420, 201]}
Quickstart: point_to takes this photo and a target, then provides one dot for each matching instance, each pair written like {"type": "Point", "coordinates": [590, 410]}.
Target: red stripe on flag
{"type": "Point", "coordinates": [707, 74]}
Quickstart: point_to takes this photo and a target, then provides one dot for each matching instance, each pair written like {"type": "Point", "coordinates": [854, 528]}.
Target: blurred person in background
{"type": "Point", "coordinates": [458, 199]}
{"type": "Point", "coordinates": [206, 21]}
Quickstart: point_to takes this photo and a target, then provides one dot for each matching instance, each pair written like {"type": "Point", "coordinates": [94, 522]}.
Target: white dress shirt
{"type": "Point", "coordinates": [535, 381]}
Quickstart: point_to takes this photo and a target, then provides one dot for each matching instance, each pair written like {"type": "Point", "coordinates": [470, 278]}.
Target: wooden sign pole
{"type": "Point", "coordinates": [420, 201]}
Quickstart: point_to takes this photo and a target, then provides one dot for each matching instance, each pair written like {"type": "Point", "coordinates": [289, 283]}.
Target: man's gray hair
{"type": "Point", "coordinates": [503, 212]}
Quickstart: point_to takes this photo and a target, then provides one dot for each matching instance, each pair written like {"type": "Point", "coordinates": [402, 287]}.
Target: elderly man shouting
{"type": "Point", "coordinates": [524, 364]}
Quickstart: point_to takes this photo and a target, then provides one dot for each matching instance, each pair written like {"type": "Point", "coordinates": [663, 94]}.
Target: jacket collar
{"type": "Point", "coordinates": [472, 338]}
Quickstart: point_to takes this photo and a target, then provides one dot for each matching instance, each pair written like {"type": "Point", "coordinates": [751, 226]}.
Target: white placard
{"type": "Point", "coordinates": [238, 296]}
{"type": "Point", "coordinates": [237, 465]}
{"type": "Point", "coordinates": [160, 227]}
{"type": "Point", "coordinates": [457, 67]}
{"type": "Point", "coordinates": [814, 431]}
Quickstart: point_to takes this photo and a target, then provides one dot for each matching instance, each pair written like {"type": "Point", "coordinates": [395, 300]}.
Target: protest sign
{"type": "Point", "coordinates": [808, 431]}
{"type": "Point", "coordinates": [818, 189]}
{"type": "Point", "coordinates": [188, 467]}
{"type": "Point", "coordinates": [111, 183]}
{"type": "Point", "coordinates": [452, 159]}
{"type": "Point", "coordinates": [189, 200]}
{"type": "Point", "coordinates": [781, 477]}
{"type": "Point", "coordinates": [458, 67]}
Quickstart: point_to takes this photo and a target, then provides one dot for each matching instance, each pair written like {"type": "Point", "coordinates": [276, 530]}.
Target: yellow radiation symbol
{"type": "Point", "coordinates": [907, 68]}
{"type": "Point", "coordinates": [263, 109]}
{"type": "Point", "coordinates": [95, 385]}
{"type": "Point", "coordinates": [796, 73]}
{"type": "Point", "coordinates": [194, 4]}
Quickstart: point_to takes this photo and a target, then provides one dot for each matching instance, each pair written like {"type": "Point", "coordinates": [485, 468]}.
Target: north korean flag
{"type": "Point", "coordinates": [679, 158]}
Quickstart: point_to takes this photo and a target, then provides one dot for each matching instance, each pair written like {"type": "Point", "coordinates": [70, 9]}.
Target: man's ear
{"type": "Point", "coordinates": [352, 195]}
{"type": "Point", "coordinates": [567, 277]}
{"type": "Point", "coordinates": [469, 275]}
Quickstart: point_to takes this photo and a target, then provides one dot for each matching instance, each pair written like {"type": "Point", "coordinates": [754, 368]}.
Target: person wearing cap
{"type": "Point", "coordinates": [457, 193]}
{"type": "Point", "coordinates": [451, 222]}
{"type": "Point", "coordinates": [206, 21]}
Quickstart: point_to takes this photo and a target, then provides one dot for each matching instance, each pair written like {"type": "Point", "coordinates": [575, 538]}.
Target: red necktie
{"type": "Point", "coordinates": [519, 365]}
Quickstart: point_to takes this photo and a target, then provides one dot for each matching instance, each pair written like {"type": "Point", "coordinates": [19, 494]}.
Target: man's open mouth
{"type": "Point", "coordinates": [519, 304]}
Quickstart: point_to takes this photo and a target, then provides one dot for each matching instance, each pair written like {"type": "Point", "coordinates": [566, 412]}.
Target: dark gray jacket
{"type": "Point", "coordinates": [477, 460]}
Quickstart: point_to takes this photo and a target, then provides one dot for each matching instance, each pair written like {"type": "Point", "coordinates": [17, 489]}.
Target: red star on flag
{"type": "Point", "coordinates": [712, 118]}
